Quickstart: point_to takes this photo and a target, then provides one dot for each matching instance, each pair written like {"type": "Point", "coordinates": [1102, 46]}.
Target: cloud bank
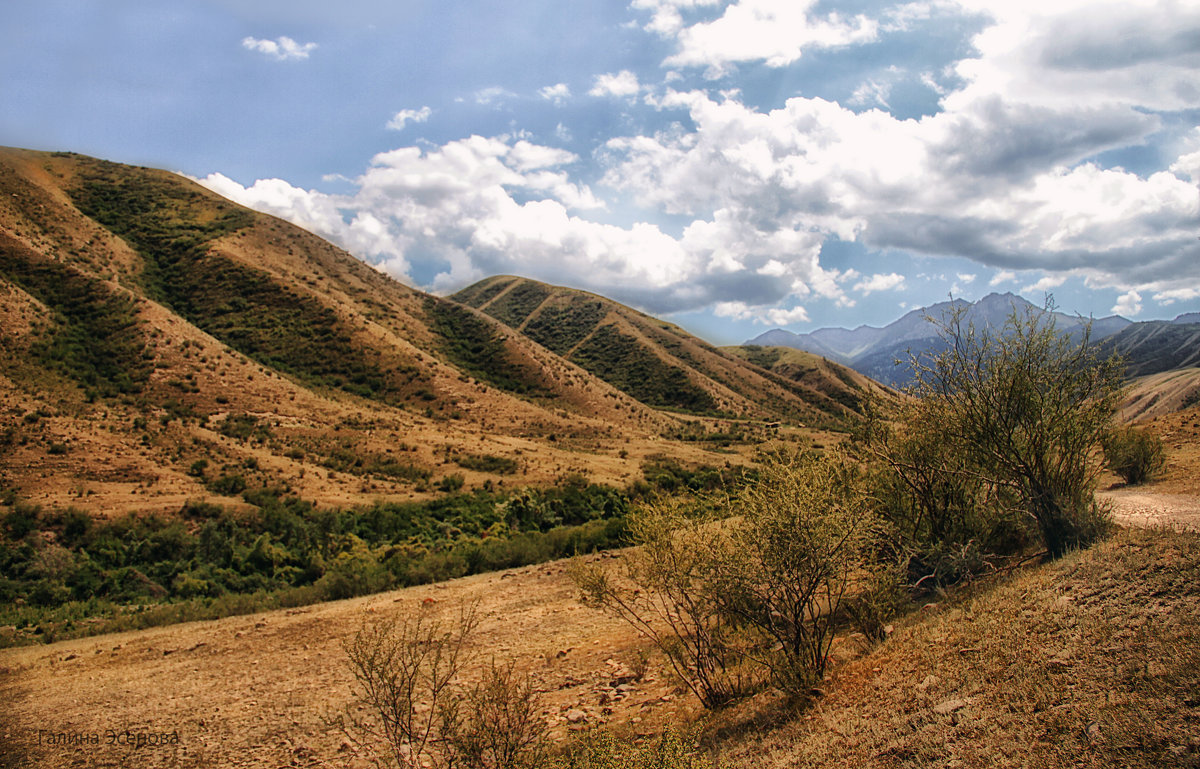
{"type": "Point", "coordinates": [732, 204]}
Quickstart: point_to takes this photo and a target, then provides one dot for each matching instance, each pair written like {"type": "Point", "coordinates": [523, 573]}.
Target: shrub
{"type": "Point", "coordinates": [228, 485]}
{"type": "Point", "coordinates": [497, 724]}
{"type": "Point", "coordinates": [405, 670]}
{"type": "Point", "coordinates": [1135, 455]}
{"type": "Point", "coordinates": [1026, 407]}
{"type": "Point", "coordinates": [412, 709]}
{"type": "Point", "coordinates": [669, 596]}
{"type": "Point", "coordinates": [800, 547]}
{"type": "Point", "coordinates": [733, 585]}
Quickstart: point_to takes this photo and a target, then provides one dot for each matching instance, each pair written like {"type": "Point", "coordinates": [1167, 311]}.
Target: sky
{"type": "Point", "coordinates": [731, 165]}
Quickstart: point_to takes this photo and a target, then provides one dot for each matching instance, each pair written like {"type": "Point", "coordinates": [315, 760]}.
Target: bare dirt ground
{"type": "Point", "coordinates": [1140, 508]}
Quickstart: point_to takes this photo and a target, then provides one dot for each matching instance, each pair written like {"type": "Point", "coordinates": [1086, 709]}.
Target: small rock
{"type": "Point", "coordinates": [928, 682]}
{"type": "Point", "coordinates": [575, 716]}
{"type": "Point", "coordinates": [949, 706]}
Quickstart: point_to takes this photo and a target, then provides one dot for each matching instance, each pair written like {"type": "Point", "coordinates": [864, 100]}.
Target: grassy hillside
{"type": "Point", "coordinates": [151, 328]}
{"type": "Point", "coordinates": [833, 387]}
{"type": "Point", "coordinates": [658, 363]}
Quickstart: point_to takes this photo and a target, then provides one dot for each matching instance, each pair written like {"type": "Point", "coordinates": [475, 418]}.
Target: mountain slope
{"type": "Point", "coordinates": [162, 344]}
{"type": "Point", "coordinates": [875, 352]}
{"type": "Point", "coordinates": [655, 362]}
{"type": "Point", "coordinates": [1156, 346]}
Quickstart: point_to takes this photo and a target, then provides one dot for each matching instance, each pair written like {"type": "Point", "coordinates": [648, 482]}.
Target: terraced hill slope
{"type": "Point", "coordinates": [658, 363]}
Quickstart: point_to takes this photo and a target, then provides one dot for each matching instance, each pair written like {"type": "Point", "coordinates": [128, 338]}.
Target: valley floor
{"type": "Point", "coordinates": [1090, 661]}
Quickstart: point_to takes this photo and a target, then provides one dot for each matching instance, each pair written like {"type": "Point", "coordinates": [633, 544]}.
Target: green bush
{"type": "Point", "coordinates": [1025, 407]}
{"type": "Point", "coordinates": [1135, 455]}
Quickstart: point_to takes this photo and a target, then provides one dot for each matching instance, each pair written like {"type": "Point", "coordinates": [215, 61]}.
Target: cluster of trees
{"type": "Point", "coordinates": [56, 565]}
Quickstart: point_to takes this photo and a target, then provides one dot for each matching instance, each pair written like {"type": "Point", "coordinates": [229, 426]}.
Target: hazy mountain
{"type": "Point", "coordinates": [1155, 346]}
{"type": "Point", "coordinates": [882, 353]}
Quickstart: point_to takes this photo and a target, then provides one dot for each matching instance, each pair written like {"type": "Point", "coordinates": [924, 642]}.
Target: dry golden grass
{"type": "Point", "coordinates": [1091, 661]}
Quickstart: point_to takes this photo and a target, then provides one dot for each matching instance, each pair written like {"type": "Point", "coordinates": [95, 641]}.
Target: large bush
{"type": "Point", "coordinates": [1135, 455]}
{"type": "Point", "coordinates": [732, 587]}
{"type": "Point", "coordinates": [1025, 407]}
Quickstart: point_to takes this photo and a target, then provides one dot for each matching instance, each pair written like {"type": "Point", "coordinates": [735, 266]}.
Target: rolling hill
{"type": "Point", "coordinates": [162, 344]}
{"type": "Point", "coordinates": [658, 363]}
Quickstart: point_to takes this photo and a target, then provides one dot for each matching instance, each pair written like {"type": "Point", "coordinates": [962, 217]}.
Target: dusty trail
{"type": "Point", "coordinates": [1140, 508]}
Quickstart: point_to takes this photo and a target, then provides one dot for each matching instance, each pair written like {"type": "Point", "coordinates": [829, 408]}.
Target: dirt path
{"type": "Point", "coordinates": [1140, 508]}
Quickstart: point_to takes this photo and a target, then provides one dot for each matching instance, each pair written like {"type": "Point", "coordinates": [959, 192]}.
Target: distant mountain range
{"type": "Point", "coordinates": [883, 353]}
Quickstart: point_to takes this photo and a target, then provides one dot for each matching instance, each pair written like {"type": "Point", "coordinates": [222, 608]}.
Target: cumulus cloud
{"type": "Point", "coordinates": [775, 32]}
{"type": "Point", "coordinates": [622, 84]}
{"type": "Point", "coordinates": [1129, 303]}
{"type": "Point", "coordinates": [879, 282]}
{"type": "Point", "coordinates": [281, 48]}
{"type": "Point", "coordinates": [558, 93]}
{"type": "Point", "coordinates": [1009, 185]}
{"type": "Point", "coordinates": [1169, 296]}
{"type": "Point", "coordinates": [766, 316]}
{"type": "Point", "coordinates": [1009, 171]}
{"type": "Point", "coordinates": [1044, 285]}
{"type": "Point", "coordinates": [406, 116]}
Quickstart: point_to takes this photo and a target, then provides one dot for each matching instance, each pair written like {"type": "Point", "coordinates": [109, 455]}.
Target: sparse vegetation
{"type": "Point", "coordinates": [516, 305]}
{"type": "Point", "coordinates": [477, 347]}
{"type": "Point", "coordinates": [559, 328]}
{"type": "Point", "coordinates": [96, 339]}
{"type": "Point", "coordinates": [168, 224]}
{"type": "Point", "coordinates": [487, 463]}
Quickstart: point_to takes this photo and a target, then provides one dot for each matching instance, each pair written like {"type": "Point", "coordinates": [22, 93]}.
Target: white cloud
{"type": "Point", "coordinates": [1169, 296]}
{"type": "Point", "coordinates": [999, 183]}
{"type": "Point", "coordinates": [1044, 285]}
{"type": "Point", "coordinates": [872, 92]}
{"type": "Point", "coordinates": [558, 93]}
{"type": "Point", "coordinates": [966, 277]}
{"type": "Point", "coordinates": [766, 316]}
{"type": "Point", "coordinates": [775, 32]}
{"type": "Point", "coordinates": [879, 282]}
{"type": "Point", "coordinates": [406, 116]}
{"type": "Point", "coordinates": [667, 19]}
{"type": "Point", "coordinates": [622, 84]}
{"type": "Point", "coordinates": [1129, 303]}
{"type": "Point", "coordinates": [492, 95]}
{"type": "Point", "coordinates": [1008, 172]}
{"type": "Point", "coordinates": [281, 48]}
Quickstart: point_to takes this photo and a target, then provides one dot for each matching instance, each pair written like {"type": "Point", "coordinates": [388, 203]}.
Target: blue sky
{"type": "Point", "coordinates": [733, 165]}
